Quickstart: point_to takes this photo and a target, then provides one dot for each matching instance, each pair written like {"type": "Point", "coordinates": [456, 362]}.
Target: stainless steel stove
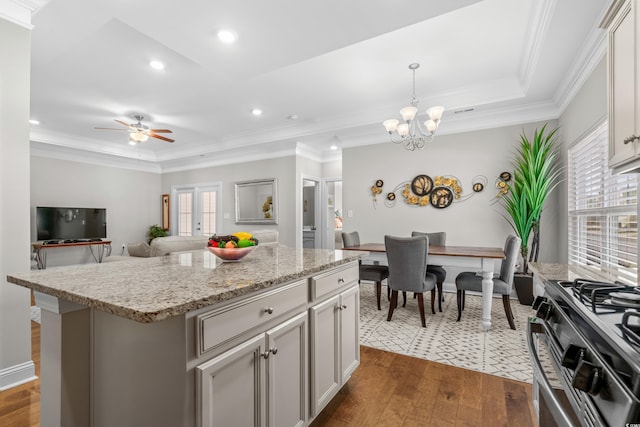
{"type": "Point", "coordinates": [585, 350]}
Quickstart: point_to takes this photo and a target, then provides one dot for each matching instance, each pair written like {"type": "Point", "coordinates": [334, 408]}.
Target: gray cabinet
{"type": "Point", "coordinates": [261, 382]}
{"type": "Point", "coordinates": [624, 85]}
{"type": "Point", "coordinates": [334, 336]}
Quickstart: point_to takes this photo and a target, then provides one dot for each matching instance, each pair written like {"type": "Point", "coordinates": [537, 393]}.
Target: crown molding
{"type": "Point", "coordinates": [19, 11]}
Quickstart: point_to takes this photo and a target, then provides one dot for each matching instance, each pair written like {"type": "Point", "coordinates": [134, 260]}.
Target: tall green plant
{"type": "Point", "coordinates": [536, 173]}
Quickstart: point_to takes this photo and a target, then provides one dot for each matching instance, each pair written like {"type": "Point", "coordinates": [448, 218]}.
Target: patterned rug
{"type": "Point", "coordinates": [501, 351]}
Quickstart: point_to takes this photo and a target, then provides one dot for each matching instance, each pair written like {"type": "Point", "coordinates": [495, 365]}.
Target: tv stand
{"type": "Point", "coordinates": [39, 248]}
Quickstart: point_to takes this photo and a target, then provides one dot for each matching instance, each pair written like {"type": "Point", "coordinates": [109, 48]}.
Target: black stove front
{"type": "Point", "coordinates": [596, 362]}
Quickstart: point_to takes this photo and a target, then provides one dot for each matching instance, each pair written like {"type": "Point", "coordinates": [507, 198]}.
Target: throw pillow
{"type": "Point", "coordinates": [141, 249]}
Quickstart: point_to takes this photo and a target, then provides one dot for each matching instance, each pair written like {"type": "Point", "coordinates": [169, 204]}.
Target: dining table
{"type": "Point", "coordinates": [483, 259]}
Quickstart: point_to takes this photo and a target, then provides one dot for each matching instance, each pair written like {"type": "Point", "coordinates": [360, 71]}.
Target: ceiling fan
{"type": "Point", "coordinates": [139, 132]}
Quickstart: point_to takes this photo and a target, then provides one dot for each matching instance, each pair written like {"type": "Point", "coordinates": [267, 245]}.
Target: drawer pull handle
{"type": "Point", "coordinates": [630, 139]}
{"type": "Point", "coordinates": [274, 350]}
{"type": "Point", "coordinates": [341, 280]}
{"type": "Point", "coordinates": [268, 310]}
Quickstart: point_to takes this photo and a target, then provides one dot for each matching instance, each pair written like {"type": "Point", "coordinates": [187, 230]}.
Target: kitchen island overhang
{"type": "Point", "coordinates": [133, 331]}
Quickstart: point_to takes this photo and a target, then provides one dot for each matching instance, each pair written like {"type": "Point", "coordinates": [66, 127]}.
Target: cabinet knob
{"type": "Point", "coordinates": [630, 139]}
{"type": "Point", "coordinates": [266, 353]}
{"type": "Point", "coordinates": [268, 310]}
{"type": "Point", "coordinates": [342, 307]}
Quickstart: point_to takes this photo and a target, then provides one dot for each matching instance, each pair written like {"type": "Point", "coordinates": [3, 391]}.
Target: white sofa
{"type": "Point", "coordinates": [165, 245]}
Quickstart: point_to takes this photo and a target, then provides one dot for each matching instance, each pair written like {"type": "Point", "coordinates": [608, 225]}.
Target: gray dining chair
{"type": "Point", "coordinates": [436, 239]}
{"type": "Point", "coordinates": [407, 258]}
{"type": "Point", "coordinates": [502, 282]}
{"type": "Point", "coordinates": [370, 272]}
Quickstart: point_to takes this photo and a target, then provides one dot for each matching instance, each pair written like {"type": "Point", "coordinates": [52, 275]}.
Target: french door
{"type": "Point", "coordinates": [196, 210]}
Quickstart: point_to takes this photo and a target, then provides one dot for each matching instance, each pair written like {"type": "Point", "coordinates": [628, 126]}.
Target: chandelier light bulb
{"type": "Point", "coordinates": [408, 113]}
{"type": "Point", "coordinates": [413, 134]}
{"type": "Point", "coordinates": [391, 125]}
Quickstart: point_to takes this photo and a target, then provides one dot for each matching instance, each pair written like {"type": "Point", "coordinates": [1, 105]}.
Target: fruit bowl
{"type": "Point", "coordinates": [231, 254]}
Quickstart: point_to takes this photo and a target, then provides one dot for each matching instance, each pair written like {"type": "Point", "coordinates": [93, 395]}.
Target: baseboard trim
{"type": "Point", "coordinates": [17, 375]}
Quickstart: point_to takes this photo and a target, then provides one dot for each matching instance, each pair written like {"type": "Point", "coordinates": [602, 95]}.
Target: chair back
{"type": "Point", "coordinates": [508, 267]}
{"type": "Point", "coordinates": [407, 257]}
{"type": "Point", "coordinates": [350, 239]}
{"type": "Point", "coordinates": [435, 239]}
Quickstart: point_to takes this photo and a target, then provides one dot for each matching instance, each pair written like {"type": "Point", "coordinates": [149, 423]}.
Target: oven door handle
{"type": "Point", "coordinates": [553, 403]}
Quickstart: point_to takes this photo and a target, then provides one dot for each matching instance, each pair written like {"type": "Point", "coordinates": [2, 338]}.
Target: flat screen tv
{"type": "Point", "coordinates": [70, 223]}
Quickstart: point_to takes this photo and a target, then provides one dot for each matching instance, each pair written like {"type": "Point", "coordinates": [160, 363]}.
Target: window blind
{"type": "Point", "coordinates": [602, 223]}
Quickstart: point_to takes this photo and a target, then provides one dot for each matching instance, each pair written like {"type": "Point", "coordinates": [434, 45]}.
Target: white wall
{"type": "Point", "coordinates": [475, 221]}
{"type": "Point", "coordinates": [15, 326]}
{"type": "Point", "coordinates": [132, 200]}
{"type": "Point", "coordinates": [587, 110]}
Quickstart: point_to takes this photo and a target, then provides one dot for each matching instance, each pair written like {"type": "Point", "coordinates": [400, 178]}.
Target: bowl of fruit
{"type": "Point", "coordinates": [232, 247]}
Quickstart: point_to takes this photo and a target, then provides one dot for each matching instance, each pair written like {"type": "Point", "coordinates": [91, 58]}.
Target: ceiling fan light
{"type": "Point", "coordinates": [138, 136]}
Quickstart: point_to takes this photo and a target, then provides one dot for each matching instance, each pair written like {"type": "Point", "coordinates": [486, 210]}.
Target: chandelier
{"type": "Point", "coordinates": [412, 134]}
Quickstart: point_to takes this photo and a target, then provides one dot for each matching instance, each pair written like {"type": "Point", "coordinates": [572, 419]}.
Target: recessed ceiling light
{"type": "Point", "coordinates": [334, 147]}
{"type": "Point", "coordinates": [227, 36]}
{"type": "Point", "coordinates": [293, 117]}
{"type": "Point", "coordinates": [34, 122]}
{"type": "Point", "coordinates": [256, 112]}
{"type": "Point", "coordinates": [156, 65]}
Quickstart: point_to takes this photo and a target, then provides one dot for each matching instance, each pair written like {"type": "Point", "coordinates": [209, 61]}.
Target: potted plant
{"type": "Point", "coordinates": [156, 231]}
{"type": "Point", "coordinates": [536, 173]}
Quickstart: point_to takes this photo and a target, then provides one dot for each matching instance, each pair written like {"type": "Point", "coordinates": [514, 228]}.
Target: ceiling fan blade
{"type": "Point", "coordinates": [123, 123]}
{"type": "Point", "coordinates": [112, 129]}
{"type": "Point", "coordinates": [161, 130]}
{"type": "Point", "coordinates": [164, 138]}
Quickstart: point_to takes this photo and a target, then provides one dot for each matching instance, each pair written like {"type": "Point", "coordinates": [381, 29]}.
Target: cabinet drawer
{"type": "Point", "coordinates": [220, 325]}
{"type": "Point", "coordinates": [324, 284]}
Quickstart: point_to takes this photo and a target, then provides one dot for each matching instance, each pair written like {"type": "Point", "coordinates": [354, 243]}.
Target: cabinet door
{"type": "Point", "coordinates": [622, 81]}
{"type": "Point", "coordinates": [325, 353]}
{"type": "Point", "coordinates": [349, 332]}
{"type": "Point", "coordinates": [229, 387]}
{"type": "Point", "coordinates": [287, 373]}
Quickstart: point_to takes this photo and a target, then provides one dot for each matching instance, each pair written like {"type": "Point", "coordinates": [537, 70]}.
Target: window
{"type": "Point", "coordinates": [197, 210]}
{"type": "Point", "coordinates": [603, 225]}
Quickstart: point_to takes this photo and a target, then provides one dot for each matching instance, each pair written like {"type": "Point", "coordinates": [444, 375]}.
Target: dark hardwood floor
{"type": "Point", "coordinates": [388, 389]}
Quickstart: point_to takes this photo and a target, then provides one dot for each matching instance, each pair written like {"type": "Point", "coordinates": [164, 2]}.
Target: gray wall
{"type": "Point", "coordinates": [281, 168]}
{"type": "Point", "coordinates": [15, 327]}
{"type": "Point", "coordinates": [475, 221]}
{"type": "Point", "coordinates": [132, 200]}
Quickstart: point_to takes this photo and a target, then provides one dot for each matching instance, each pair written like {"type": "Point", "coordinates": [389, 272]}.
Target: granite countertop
{"type": "Point", "coordinates": [567, 272]}
{"type": "Point", "coordinates": [152, 289]}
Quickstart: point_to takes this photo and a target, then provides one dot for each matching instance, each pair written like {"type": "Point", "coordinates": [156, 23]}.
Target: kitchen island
{"type": "Point", "coordinates": [188, 340]}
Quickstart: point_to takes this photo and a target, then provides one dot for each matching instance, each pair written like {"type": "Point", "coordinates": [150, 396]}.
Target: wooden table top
{"type": "Point", "coordinates": [454, 251]}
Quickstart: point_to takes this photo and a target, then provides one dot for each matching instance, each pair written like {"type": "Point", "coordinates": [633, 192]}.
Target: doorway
{"type": "Point", "coordinates": [196, 210]}
{"type": "Point", "coordinates": [311, 237]}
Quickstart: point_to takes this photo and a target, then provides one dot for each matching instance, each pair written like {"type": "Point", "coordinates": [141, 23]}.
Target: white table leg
{"type": "Point", "coordinates": [487, 293]}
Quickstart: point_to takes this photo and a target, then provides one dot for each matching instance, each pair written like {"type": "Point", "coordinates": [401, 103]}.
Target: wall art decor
{"type": "Point", "coordinates": [375, 190]}
{"type": "Point", "coordinates": [439, 191]}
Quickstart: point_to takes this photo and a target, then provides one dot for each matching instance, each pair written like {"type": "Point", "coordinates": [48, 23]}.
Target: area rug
{"type": "Point", "coordinates": [500, 351]}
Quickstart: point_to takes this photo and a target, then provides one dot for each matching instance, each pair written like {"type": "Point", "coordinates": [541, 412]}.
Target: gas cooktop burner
{"type": "Point", "coordinates": [604, 295]}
